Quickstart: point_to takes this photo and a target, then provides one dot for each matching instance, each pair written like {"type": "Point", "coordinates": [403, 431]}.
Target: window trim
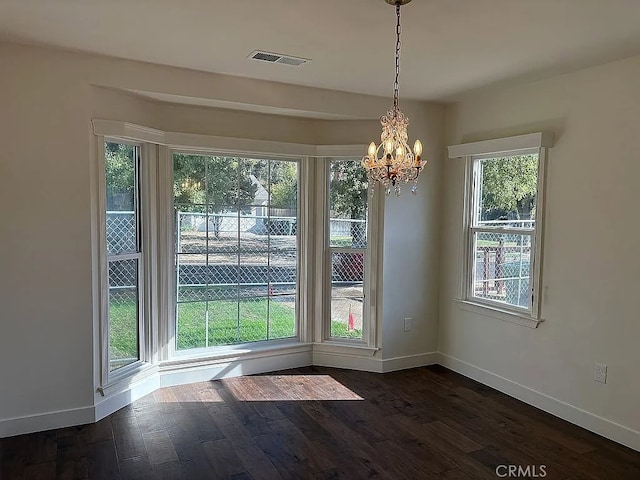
{"type": "Point", "coordinates": [502, 147]}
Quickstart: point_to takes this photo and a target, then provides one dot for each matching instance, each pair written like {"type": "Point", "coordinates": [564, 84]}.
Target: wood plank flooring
{"type": "Point", "coordinates": [322, 423]}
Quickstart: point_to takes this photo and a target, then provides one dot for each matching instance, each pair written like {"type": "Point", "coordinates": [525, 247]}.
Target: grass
{"type": "Point", "coordinates": [224, 328]}
{"type": "Point", "coordinates": [341, 241]}
{"type": "Point", "coordinates": [341, 330]}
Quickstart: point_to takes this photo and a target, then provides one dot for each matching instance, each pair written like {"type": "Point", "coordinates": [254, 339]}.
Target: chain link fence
{"type": "Point", "coordinates": [236, 278]}
{"type": "Point", "coordinates": [347, 232]}
{"type": "Point", "coordinates": [347, 294]}
{"type": "Point", "coordinates": [503, 267]}
{"type": "Point", "coordinates": [121, 232]}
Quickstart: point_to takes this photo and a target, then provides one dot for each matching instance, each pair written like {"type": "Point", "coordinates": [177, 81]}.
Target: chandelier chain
{"type": "Point", "coordinates": [396, 84]}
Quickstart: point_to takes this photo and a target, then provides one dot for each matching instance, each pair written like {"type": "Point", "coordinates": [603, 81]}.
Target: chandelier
{"type": "Point", "coordinates": [393, 163]}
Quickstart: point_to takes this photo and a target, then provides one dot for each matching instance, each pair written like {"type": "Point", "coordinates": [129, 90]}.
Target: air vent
{"type": "Point", "coordinates": [278, 58]}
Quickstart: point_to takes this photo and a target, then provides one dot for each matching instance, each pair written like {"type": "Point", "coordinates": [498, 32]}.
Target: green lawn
{"type": "Point", "coordinates": [341, 241]}
{"type": "Point", "coordinates": [224, 328]}
{"type": "Point", "coordinates": [341, 330]}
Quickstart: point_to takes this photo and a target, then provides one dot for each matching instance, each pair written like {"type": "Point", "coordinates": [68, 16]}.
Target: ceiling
{"type": "Point", "coordinates": [449, 46]}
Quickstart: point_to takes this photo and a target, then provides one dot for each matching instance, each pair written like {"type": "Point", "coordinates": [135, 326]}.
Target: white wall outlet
{"type": "Point", "coordinates": [407, 324]}
{"type": "Point", "coordinates": [600, 373]}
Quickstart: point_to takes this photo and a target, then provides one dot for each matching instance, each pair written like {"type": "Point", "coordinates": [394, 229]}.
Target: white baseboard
{"type": "Point", "coordinates": [373, 364]}
{"type": "Point", "coordinates": [590, 421]}
{"type": "Point", "coordinates": [46, 421]}
{"type": "Point", "coordinates": [115, 401]}
{"type": "Point", "coordinates": [409, 361]}
{"type": "Point", "coordinates": [351, 362]}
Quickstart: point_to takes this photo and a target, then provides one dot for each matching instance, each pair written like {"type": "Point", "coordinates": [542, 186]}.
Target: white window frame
{"type": "Point", "coordinates": [369, 343]}
{"type": "Point", "coordinates": [171, 351]}
{"type": "Point", "coordinates": [535, 143]}
{"type": "Point", "coordinates": [329, 251]}
{"type": "Point", "coordinates": [142, 198]}
{"type": "Point", "coordinates": [158, 250]}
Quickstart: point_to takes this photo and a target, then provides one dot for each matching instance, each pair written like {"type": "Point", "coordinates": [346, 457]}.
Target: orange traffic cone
{"type": "Point", "coordinates": [351, 320]}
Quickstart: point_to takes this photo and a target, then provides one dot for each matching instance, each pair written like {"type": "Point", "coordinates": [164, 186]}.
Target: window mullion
{"type": "Point", "coordinates": [503, 230]}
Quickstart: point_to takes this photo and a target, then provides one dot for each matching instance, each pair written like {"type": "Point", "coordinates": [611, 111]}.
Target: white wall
{"type": "Point", "coordinates": [591, 267]}
{"type": "Point", "coordinates": [48, 303]}
{"type": "Point", "coordinates": [411, 274]}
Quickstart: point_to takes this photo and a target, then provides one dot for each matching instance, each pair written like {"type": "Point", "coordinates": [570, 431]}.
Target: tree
{"type": "Point", "coordinates": [284, 185]}
{"type": "Point", "coordinates": [119, 173]}
{"type": "Point", "coordinates": [221, 183]}
{"type": "Point", "coordinates": [349, 187]}
{"type": "Point", "coordinates": [509, 187]}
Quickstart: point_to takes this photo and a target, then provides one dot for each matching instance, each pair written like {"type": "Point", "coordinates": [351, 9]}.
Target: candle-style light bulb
{"type": "Point", "coordinates": [372, 150]}
{"type": "Point", "coordinates": [417, 148]}
{"type": "Point", "coordinates": [399, 152]}
{"type": "Point", "coordinates": [388, 146]}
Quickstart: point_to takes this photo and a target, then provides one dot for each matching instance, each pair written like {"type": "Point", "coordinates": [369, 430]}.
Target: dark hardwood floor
{"type": "Point", "coordinates": [322, 423]}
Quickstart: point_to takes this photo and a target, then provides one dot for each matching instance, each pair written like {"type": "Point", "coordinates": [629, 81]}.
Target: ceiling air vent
{"type": "Point", "coordinates": [278, 58]}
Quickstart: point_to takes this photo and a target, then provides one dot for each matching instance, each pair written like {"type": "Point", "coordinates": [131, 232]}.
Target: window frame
{"type": "Point", "coordinates": [535, 143]}
{"type": "Point", "coordinates": [107, 377]}
{"type": "Point", "coordinates": [474, 228]}
{"type": "Point", "coordinates": [372, 261]}
{"type": "Point", "coordinates": [158, 248]}
{"type": "Point", "coordinates": [172, 353]}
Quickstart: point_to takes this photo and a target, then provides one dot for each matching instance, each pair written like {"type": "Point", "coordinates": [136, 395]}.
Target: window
{"type": "Point", "coordinates": [204, 253]}
{"type": "Point", "coordinates": [502, 229]}
{"type": "Point", "coordinates": [503, 223]}
{"type": "Point", "coordinates": [236, 249]}
{"type": "Point", "coordinates": [347, 240]}
{"type": "Point", "coordinates": [124, 254]}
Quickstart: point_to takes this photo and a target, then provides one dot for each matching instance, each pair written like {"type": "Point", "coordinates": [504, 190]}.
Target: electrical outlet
{"type": "Point", "coordinates": [407, 324]}
{"type": "Point", "coordinates": [600, 373]}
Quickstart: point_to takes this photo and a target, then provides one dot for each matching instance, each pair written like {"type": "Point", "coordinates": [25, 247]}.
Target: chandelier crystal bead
{"type": "Point", "coordinates": [393, 162]}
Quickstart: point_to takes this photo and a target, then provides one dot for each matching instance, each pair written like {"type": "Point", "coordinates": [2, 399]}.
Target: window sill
{"type": "Point", "coordinates": [242, 352]}
{"type": "Point", "coordinates": [499, 313]}
{"type": "Point", "coordinates": [122, 380]}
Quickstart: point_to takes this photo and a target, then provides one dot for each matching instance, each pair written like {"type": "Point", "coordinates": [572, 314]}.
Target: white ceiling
{"type": "Point", "coordinates": [449, 46]}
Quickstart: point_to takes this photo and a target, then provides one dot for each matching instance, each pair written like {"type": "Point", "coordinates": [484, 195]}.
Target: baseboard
{"type": "Point", "coordinates": [409, 361]}
{"type": "Point", "coordinates": [373, 364]}
{"type": "Point", "coordinates": [351, 362]}
{"type": "Point", "coordinates": [46, 421]}
{"type": "Point", "coordinates": [130, 393]}
{"type": "Point", "coordinates": [582, 418]}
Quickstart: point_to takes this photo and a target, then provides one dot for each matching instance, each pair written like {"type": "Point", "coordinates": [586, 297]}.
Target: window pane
{"type": "Point", "coordinates": [123, 313]}
{"type": "Point", "coordinates": [502, 268]}
{"type": "Point", "coordinates": [236, 247]}
{"type": "Point", "coordinates": [347, 294]}
{"type": "Point", "coordinates": [507, 194]}
{"type": "Point", "coordinates": [120, 176]}
{"type": "Point", "coordinates": [348, 199]}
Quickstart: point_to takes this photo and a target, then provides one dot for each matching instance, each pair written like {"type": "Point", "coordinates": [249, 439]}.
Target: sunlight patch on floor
{"type": "Point", "coordinates": [272, 388]}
